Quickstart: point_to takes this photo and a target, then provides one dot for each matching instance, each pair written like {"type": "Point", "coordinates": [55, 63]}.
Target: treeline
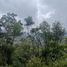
{"type": "Point", "coordinates": [43, 46]}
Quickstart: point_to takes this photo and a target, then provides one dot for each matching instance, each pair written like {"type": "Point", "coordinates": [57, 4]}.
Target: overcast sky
{"type": "Point", "coordinates": [38, 9]}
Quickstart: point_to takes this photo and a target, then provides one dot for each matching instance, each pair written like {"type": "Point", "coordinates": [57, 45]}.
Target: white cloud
{"type": "Point", "coordinates": [44, 12]}
{"type": "Point", "coordinates": [49, 14]}
{"type": "Point", "coordinates": [1, 14]}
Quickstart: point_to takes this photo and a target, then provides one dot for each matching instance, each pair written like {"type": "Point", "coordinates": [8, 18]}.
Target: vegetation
{"type": "Point", "coordinates": [44, 46]}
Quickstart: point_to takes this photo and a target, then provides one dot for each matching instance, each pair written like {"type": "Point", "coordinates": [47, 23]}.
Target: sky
{"type": "Point", "coordinates": [51, 10]}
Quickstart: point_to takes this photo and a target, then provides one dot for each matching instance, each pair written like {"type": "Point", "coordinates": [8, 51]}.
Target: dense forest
{"type": "Point", "coordinates": [42, 46]}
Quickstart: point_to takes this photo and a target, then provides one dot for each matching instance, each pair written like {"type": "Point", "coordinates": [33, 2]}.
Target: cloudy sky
{"type": "Point", "coordinates": [39, 9]}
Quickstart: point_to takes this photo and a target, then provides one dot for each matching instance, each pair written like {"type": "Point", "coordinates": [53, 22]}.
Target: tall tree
{"type": "Point", "coordinates": [58, 31]}
{"type": "Point", "coordinates": [11, 25]}
{"type": "Point", "coordinates": [13, 28]}
{"type": "Point", "coordinates": [29, 22]}
{"type": "Point", "coordinates": [45, 29]}
{"type": "Point", "coordinates": [52, 36]}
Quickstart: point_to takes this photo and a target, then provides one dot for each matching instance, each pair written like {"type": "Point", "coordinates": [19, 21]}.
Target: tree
{"type": "Point", "coordinates": [37, 38]}
{"type": "Point", "coordinates": [13, 28]}
{"type": "Point", "coordinates": [45, 29]}
{"type": "Point", "coordinates": [51, 36]}
{"type": "Point", "coordinates": [11, 25]}
{"type": "Point", "coordinates": [58, 31]}
{"type": "Point", "coordinates": [29, 21]}
{"type": "Point", "coordinates": [22, 54]}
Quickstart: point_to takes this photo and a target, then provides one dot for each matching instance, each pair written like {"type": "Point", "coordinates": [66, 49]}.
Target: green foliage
{"type": "Point", "coordinates": [5, 54]}
{"type": "Point", "coordinates": [29, 21]}
{"type": "Point", "coordinates": [21, 55]}
{"type": "Point", "coordinates": [46, 33]}
{"type": "Point", "coordinates": [12, 26]}
{"type": "Point", "coordinates": [34, 62]}
{"type": "Point", "coordinates": [52, 53]}
{"type": "Point", "coordinates": [65, 40]}
{"type": "Point", "coordinates": [58, 32]}
{"type": "Point", "coordinates": [45, 27]}
{"type": "Point", "coordinates": [17, 28]}
{"type": "Point", "coordinates": [42, 48]}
